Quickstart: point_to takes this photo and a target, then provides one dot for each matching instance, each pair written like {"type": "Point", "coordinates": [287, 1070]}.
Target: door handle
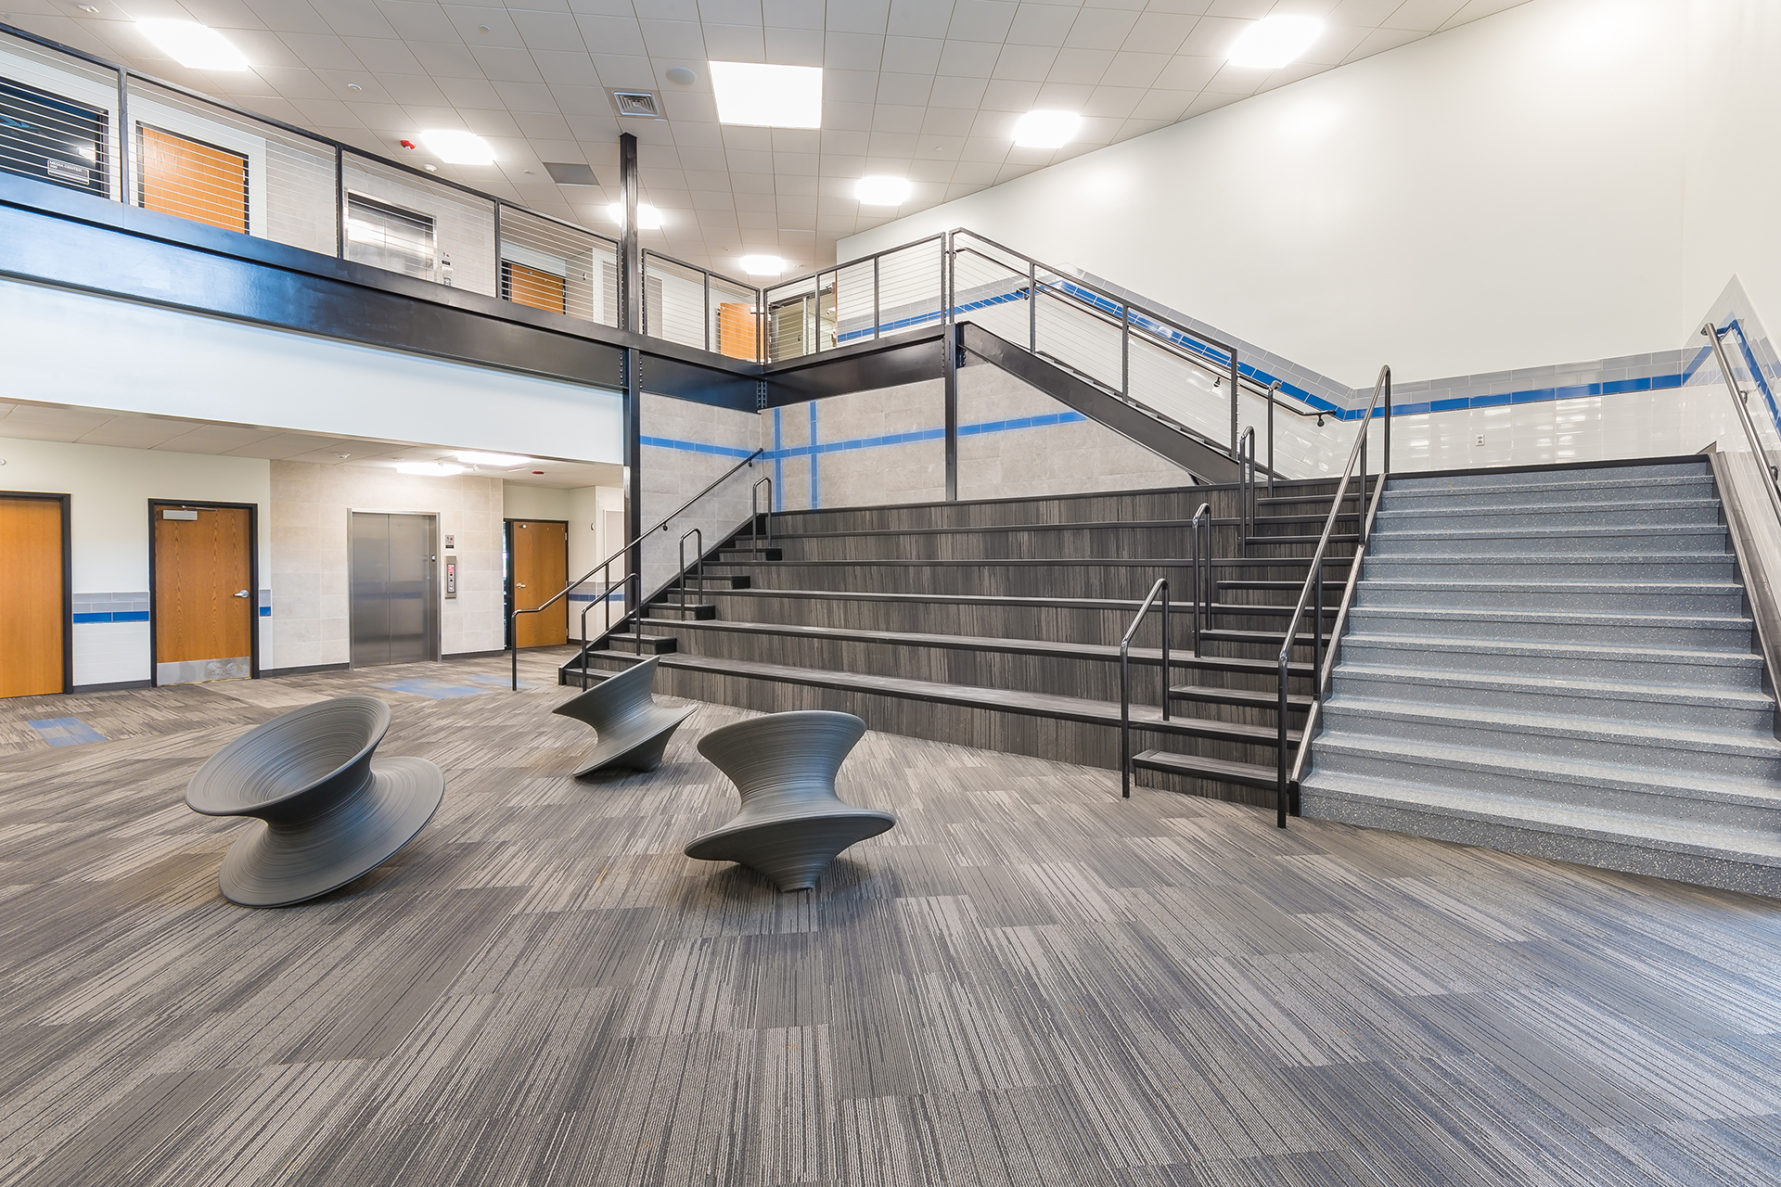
{"type": "Point", "coordinates": [241, 593]}
{"type": "Point", "coordinates": [520, 585]}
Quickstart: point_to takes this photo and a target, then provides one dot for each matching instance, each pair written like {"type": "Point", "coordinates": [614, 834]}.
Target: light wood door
{"type": "Point", "coordinates": [540, 553]}
{"type": "Point", "coordinates": [205, 605]}
{"type": "Point", "coordinates": [736, 329]}
{"type": "Point", "coordinates": [32, 597]}
{"type": "Point", "coordinates": [191, 179]}
{"type": "Point", "coordinates": [535, 287]}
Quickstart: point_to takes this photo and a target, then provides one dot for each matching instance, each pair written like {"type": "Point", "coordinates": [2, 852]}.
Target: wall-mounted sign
{"type": "Point", "coordinates": [451, 541]}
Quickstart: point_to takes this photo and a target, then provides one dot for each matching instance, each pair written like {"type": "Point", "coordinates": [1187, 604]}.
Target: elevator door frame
{"type": "Point", "coordinates": [67, 505]}
{"type": "Point", "coordinates": [435, 640]}
{"type": "Point", "coordinates": [155, 506]}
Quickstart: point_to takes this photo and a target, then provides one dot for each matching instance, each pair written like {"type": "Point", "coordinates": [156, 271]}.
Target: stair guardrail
{"type": "Point", "coordinates": [1159, 589]}
{"type": "Point", "coordinates": [1202, 570]}
{"type": "Point", "coordinates": [1741, 402]}
{"type": "Point", "coordinates": [754, 511]}
{"type": "Point", "coordinates": [698, 564]}
{"type": "Point", "coordinates": [1311, 597]}
{"type": "Point", "coordinates": [1246, 480]}
{"type": "Point", "coordinates": [636, 606]}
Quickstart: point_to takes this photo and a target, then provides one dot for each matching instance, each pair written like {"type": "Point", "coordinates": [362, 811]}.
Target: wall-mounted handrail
{"type": "Point", "coordinates": [1741, 402]}
{"type": "Point", "coordinates": [1201, 532]}
{"type": "Point", "coordinates": [1312, 593]}
{"type": "Point", "coordinates": [605, 566]}
{"type": "Point", "coordinates": [1159, 589]}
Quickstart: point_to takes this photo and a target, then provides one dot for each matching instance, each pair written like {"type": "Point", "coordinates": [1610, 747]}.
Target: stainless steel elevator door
{"type": "Point", "coordinates": [395, 599]}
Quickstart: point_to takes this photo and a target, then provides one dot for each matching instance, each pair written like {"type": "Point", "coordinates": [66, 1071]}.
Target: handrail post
{"type": "Point", "coordinates": [1125, 349]}
{"type": "Point", "coordinates": [1273, 391]}
{"type": "Point", "coordinates": [1165, 649]}
{"type": "Point", "coordinates": [1235, 384]}
{"type": "Point", "coordinates": [1280, 784]}
{"type": "Point", "coordinates": [698, 559]}
{"type": "Point", "coordinates": [1125, 720]}
{"type": "Point", "coordinates": [1032, 307]}
{"type": "Point", "coordinates": [877, 303]}
{"type": "Point", "coordinates": [754, 508]}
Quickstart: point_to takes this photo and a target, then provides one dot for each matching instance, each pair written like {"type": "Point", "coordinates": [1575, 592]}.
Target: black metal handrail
{"type": "Point", "coordinates": [1273, 392]}
{"type": "Point", "coordinates": [754, 511]}
{"type": "Point", "coordinates": [1160, 588]}
{"type": "Point", "coordinates": [698, 565]}
{"type": "Point", "coordinates": [1740, 401]}
{"type": "Point", "coordinates": [606, 567]}
{"type": "Point", "coordinates": [1202, 571]}
{"type": "Point", "coordinates": [1312, 594]}
{"type": "Point", "coordinates": [1246, 481]}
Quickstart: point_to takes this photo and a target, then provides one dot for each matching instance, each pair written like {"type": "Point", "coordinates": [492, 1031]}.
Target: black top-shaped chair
{"type": "Point", "coordinates": [632, 729]}
{"type": "Point", "coordinates": [792, 824]}
{"type": "Point", "coordinates": [330, 815]}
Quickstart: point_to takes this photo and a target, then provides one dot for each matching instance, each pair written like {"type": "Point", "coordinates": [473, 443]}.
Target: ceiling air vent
{"type": "Point", "coordinates": [637, 103]}
{"type": "Point", "coordinates": [570, 173]}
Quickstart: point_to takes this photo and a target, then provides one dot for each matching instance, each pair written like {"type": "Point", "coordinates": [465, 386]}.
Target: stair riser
{"type": "Point", "coordinates": [1057, 623]}
{"type": "Point", "coordinates": [1590, 478]}
{"type": "Point", "coordinates": [1086, 580]}
{"type": "Point", "coordinates": [1559, 516]}
{"type": "Point", "coordinates": [695, 609]}
{"type": "Point", "coordinates": [1516, 785]}
{"type": "Point", "coordinates": [1272, 620]}
{"type": "Point", "coordinates": [1086, 743]}
{"type": "Point", "coordinates": [1550, 699]}
{"type": "Point", "coordinates": [1726, 874]}
{"type": "Point", "coordinates": [1086, 542]}
{"type": "Point", "coordinates": [1257, 715]}
{"type": "Point", "coordinates": [1262, 548]}
{"type": "Point", "coordinates": [1582, 666]}
{"type": "Point", "coordinates": [1268, 649]}
{"type": "Point", "coordinates": [1212, 789]}
{"type": "Point", "coordinates": [1285, 597]}
{"type": "Point", "coordinates": [1102, 508]}
{"type": "Point", "coordinates": [1511, 568]}
{"type": "Point", "coordinates": [1596, 601]}
{"type": "Point", "coordinates": [1458, 731]}
{"type": "Point", "coordinates": [1296, 685]}
{"type": "Point", "coordinates": [1093, 678]}
{"type": "Point", "coordinates": [1655, 542]}
{"type": "Point", "coordinates": [1735, 637]}
{"type": "Point", "coordinates": [1270, 525]}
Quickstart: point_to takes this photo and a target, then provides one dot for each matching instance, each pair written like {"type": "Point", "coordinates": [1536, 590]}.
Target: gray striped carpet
{"type": "Point", "coordinates": [1027, 982]}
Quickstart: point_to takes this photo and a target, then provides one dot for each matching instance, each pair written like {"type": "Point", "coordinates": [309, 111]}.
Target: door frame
{"type": "Point", "coordinates": [436, 635]}
{"type": "Point", "coordinates": [67, 505]}
{"type": "Point", "coordinates": [253, 577]}
{"type": "Point", "coordinates": [507, 576]}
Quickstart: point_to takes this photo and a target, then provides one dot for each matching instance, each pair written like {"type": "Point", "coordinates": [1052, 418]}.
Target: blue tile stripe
{"type": "Point", "coordinates": [111, 616]}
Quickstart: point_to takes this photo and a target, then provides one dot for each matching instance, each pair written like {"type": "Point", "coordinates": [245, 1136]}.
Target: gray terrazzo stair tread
{"type": "Point", "coordinates": [1487, 585]}
{"type": "Point", "coordinates": [956, 599]}
{"type": "Point", "coordinates": [1613, 827]}
{"type": "Point", "coordinates": [780, 534]}
{"type": "Point", "coordinates": [1360, 613]}
{"type": "Point", "coordinates": [1039, 704]}
{"type": "Point", "coordinates": [1252, 774]}
{"type": "Point", "coordinates": [1176, 562]}
{"type": "Point", "coordinates": [1608, 474]}
{"type": "Point", "coordinates": [1555, 685]}
{"type": "Point", "coordinates": [1366, 710]}
{"type": "Point", "coordinates": [1522, 770]}
{"type": "Point", "coordinates": [1694, 533]}
{"type": "Point", "coordinates": [923, 639]}
{"type": "Point", "coordinates": [1487, 509]}
{"type": "Point", "coordinates": [1616, 492]}
{"type": "Point", "coordinates": [1560, 651]}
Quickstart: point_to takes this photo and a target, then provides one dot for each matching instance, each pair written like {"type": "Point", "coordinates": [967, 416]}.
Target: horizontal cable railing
{"type": "Point", "coordinates": [1290, 766]}
{"type": "Point", "coordinates": [693, 306]}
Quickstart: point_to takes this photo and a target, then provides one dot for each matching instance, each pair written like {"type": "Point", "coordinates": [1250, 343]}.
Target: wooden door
{"type": "Point", "coordinates": [191, 179]}
{"type": "Point", "coordinates": [33, 598]}
{"type": "Point", "coordinates": [540, 551]}
{"type": "Point", "coordinates": [526, 285]}
{"type": "Point", "coordinates": [736, 329]}
{"type": "Point", "coordinates": [205, 606]}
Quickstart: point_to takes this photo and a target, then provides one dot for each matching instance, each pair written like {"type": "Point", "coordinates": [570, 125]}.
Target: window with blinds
{"type": "Point", "coordinates": [390, 237]}
{"type": "Point", "coordinates": [49, 138]}
{"type": "Point", "coordinates": [179, 175]}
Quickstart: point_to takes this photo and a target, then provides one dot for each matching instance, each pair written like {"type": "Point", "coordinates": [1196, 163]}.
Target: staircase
{"type": "Point", "coordinates": [1559, 663]}
{"type": "Point", "coordinates": [996, 624]}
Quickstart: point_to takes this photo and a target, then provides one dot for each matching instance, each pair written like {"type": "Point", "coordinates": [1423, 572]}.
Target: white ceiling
{"type": "Point", "coordinates": [926, 89]}
{"type": "Point", "coordinates": [128, 430]}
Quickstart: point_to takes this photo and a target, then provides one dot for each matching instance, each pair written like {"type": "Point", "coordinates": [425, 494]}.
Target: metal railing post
{"type": "Point", "coordinates": [754, 529]}
{"type": "Point", "coordinates": [877, 302]}
{"type": "Point", "coordinates": [1032, 307]}
{"type": "Point", "coordinates": [498, 285]}
{"type": "Point", "coordinates": [1273, 391]}
{"type": "Point", "coordinates": [1166, 649]}
{"type": "Point", "coordinates": [1160, 588]}
{"type": "Point", "coordinates": [1125, 350]}
{"type": "Point", "coordinates": [707, 276]}
{"type": "Point", "coordinates": [698, 559]}
{"type": "Point", "coordinates": [1235, 384]}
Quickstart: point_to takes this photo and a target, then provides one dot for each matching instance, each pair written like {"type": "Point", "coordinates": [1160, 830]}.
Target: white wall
{"type": "Point", "coordinates": [1510, 193]}
{"type": "Point", "coordinates": [109, 493]}
{"type": "Point", "coordinates": [65, 347]}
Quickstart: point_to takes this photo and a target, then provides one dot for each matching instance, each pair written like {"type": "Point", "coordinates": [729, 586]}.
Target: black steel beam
{"type": "Point", "coordinates": [1209, 462]}
{"type": "Point", "coordinates": [888, 362]}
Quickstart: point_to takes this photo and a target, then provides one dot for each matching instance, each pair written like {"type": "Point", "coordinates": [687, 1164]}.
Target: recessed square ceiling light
{"type": "Point", "coordinates": [1274, 41]}
{"type": "Point", "coordinates": [762, 95]}
{"type": "Point", "coordinates": [429, 469]}
{"type": "Point", "coordinates": [648, 217]}
{"type": "Point", "coordinates": [456, 147]}
{"type": "Point", "coordinates": [194, 46]}
{"type": "Point", "coordinates": [882, 191]}
{"type": "Point", "coordinates": [762, 265]}
{"type": "Point", "coordinates": [1046, 129]}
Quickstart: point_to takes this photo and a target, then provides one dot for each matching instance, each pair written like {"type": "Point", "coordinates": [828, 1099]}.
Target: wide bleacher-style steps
{"type": "Point", "coordinates": [1558, 663]}
{"type": "Point", "coordinates": [997, 623]}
